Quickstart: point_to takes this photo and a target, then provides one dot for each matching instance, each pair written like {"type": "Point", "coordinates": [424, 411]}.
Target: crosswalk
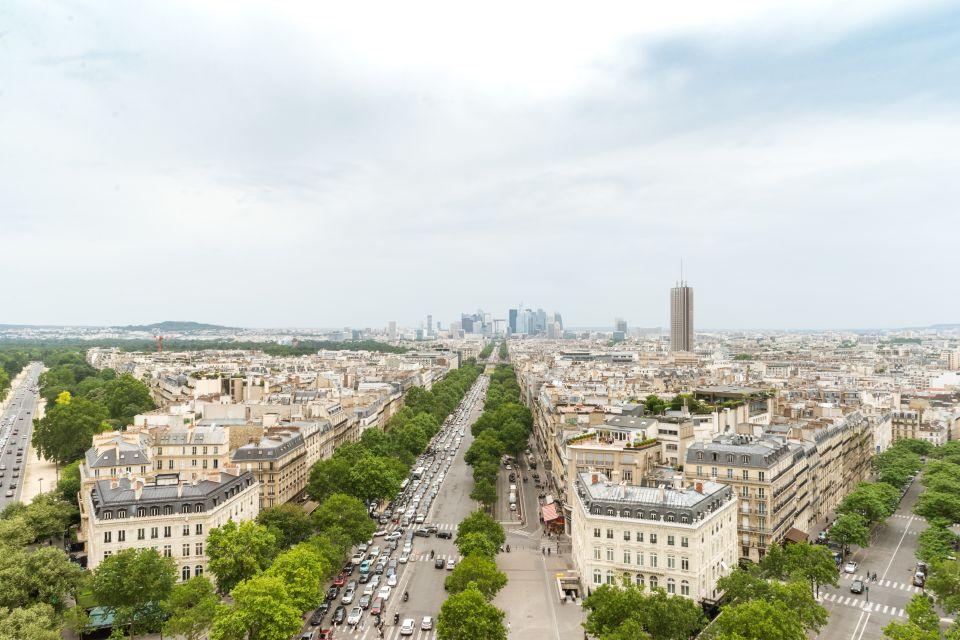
{"type": "Point", "coordinates": [391, 632]}
{"type": "Point", "coordinates": [890, 584]}
{"type": "Point", "coordinates": [862, 604]}
{"type": "Point", "coordinates": [425, 557]}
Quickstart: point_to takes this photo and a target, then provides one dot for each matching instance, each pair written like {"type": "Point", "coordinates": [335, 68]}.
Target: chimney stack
{"type": "Point", "coordinates": [594, 479]}
{"type": "Point", "coordinates": [699, 487]}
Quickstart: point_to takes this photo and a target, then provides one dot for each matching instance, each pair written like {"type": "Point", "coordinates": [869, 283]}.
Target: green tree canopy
{"type": "Point", "coordinates": [131, 583]}
{"type": "Point", "coordinates": [934, 505]}
{"type": "Point", "coordinates": [36, 622]}
{"type": "Point", "coordinates": [477, 571]}
{"type": "Point", "coordinates": [759, 620]}
{"type": "Point", "coordinates": [656, 614]}
{"type": "Point", "coordinates": [302, 570]}
{"type": "Point", "coordinates": [66, 430]}
{"type": "Point", "coordinates": [468, 616]}
{"type": "Point", "coordinates": [288, 522]}
{"type": "Point", "coordinates": [191, 608]}
{"type": "Point", "coordinates": [239, 551]}
{"type": "Point", "coordinates": [347, 514]}
{"type": "Point", "coordinates": [480, 522]}
{"type": "Point", "coordinates": [262, 609]}
{"type": "Point", "coordinates": [848, 529]}
{"type": "Point", "coordinates": [874, 501]}
{"type": "Point", "coordinates": [476, 543]}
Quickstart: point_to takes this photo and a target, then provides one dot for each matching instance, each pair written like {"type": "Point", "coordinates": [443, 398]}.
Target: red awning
{"type": "Point", "coordinates": [549, 512]}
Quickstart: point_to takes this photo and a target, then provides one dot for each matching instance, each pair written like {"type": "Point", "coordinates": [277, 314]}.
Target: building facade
{"type": "Point", "coordinates": [681, 318]}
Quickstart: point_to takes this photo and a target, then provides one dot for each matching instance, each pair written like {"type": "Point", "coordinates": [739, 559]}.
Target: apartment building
{"type": "Point", "coordinates": [279, 463]}
{"type": "Point", "coordinates": [164, 513]}
{"type": "Point", "coordinates": [190, 451]}
{"type": "Point", "coordinates": [681, 539]}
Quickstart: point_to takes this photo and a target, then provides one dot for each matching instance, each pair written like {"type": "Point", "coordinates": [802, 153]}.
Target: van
{"type": "Point", "coordinates": [513, 498]}
{"type": "Point", "coordinates": [513, 488]}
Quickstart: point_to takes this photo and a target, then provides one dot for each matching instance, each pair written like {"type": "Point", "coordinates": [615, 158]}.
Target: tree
{"type": "Point", "coordinates": [657, 614]}
{"type": "Point", "coordinates": [850, 528]}
{"type": "Point", "coordinates": [66, 430]}
{"type": "Point", "coordinates": [944, 581]}
{"type": "Point", "coordinates": [917, 446]}
{"type": "Point", "coordinates": [476, 543]}
{"type": "Point", "coordinates": [262, 610]}
{"type": "Point", "coordinates": [239, 551]}
{"type": "Point", "coordinates": [479, 572]}
{"type": "Point", "coordinates": [44, 575]}
{"type": "Point", "coordinates": [375, 477]}
{"type": "Point", "coordinates": [131, 584]}
{"type": "Point", "coordinates": [48, 516]}
{"type": "Point", "coordinates": [68, 486]}
{"type": "Point", "coordinates": [480, 522]}
{"type": "Point", "coordinates": [923, 622]}
{"type": "Point", "coordinates": [36, 622]}
{"type": "Point", "coordinates": [14, 533]}
{"type": "Point", "coordinates": [870, 500]}
{"type": "Point", "coordinates": [759, 620]}
{"type": "Point", "coordinates": [936, 542]}
{"type": "Point", "coordinates": [934, 505]}
{"type": "Point", "coordinates": [302, 570]}
{"type": "Point", "coordinates": [468, 616]}
{"type": "Point", "coordinates": [484, 492]}
{"type": "Point", "coordinates": [654, 404]}
{"type": "Point", "coordinates": [347, 514]}
{"type": "Point", "coordinates": [288, 523]}
{"type": "Point", "coordinates": [813, 563]}
{"type": "Point", "coordinates": [191, 608]}
{"type": "Point", "coordinates": [743, 586]}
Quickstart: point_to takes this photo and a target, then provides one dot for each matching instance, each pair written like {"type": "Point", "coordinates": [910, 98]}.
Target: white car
{"type": "Point", "coordinates": [406, 629]}
{"type": "Point", "coordinates": [451, 563]}
{"type": "Point", "coordinates": [395, 535]}
{"type": "Point", "coordinates": [427, 623]}
{"type": "Point", "coordinates": [392, 580]}
{"type": "Point", "coordinates": [384, 593]}
{"type": "Point", "coordinates": [404, 557]}
{"type": "Point", "coordinates": [850, 567]}
{"type": "Point", "coordinates": [355, 615]}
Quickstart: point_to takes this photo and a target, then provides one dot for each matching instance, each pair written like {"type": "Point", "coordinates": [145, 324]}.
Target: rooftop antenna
{"type": "Point", "coordinates": [681, 271]}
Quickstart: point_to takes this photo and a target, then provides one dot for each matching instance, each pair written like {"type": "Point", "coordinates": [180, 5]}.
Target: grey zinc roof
{"type": "Point", "coordinates": [129, 454]}
{"type": "Point", "coordinates": [104, 496]}
{"type": "Point", "coordinates": [629, 422]}
{"type": "Point", "coordinates": [647, 496]}
{"type": "Point", "coordinates": [267, 448]}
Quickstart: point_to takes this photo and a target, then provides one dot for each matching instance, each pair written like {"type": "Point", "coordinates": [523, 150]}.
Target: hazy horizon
{"type": "Point", "coordinates": [306, 165]}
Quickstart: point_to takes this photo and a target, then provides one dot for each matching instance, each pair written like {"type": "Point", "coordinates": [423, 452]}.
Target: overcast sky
{"type": "Point", "coordinates": [328, 164]}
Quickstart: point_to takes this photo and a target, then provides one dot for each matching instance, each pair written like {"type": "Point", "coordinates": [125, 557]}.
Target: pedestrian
{"type": "Point", "coordinates": [548, 551]}
{"type": "Point", "coordinates": [543, 551]}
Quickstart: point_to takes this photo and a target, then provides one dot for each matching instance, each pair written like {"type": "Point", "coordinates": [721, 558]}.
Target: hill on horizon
{"type": "Point", "coordinates": [175, 325]}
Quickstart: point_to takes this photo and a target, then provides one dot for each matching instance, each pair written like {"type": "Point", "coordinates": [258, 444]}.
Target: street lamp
{"type": "Point", "coordinates": [40, 480]}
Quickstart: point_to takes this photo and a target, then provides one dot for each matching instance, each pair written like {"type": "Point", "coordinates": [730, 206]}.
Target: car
{"type": "Point", "coordinates": [404, 557]}
{"type": "Point", "coordinates": [340, 580]}
{"type": "Point", "coordinates": [376, 607]}
{"type": "Point", "coordinates": [407, 627]}
{"type": "Point", "coordinates": [393, 535]}
{"type": "Point", "coordinates": [850, 567]}
{"type": "Point", "coordinates": [451, 563]}
{"type": "Point", "coordinates": [427, 623]}
{"type": "Point", "coordinates": [318, 615]}
{"type": "Point", "coordinates": [446, 535]}
{"type": "Point", "coordinates": [309, 635]}
{"type": "Point", "coordinates": [384, 593]}
{"type": "Point", "coordinates": [333, 592]}
{"type": "Point", "coordinates": [856, 586]}
{"type": "Point", "coordinates": [357, 558]}
{"type": "Point", "coordinates": [356, 614]}
{"type": "Point", "coordinates": [822, 536]}
{"type": "Point", "coordinates": [379, 533]}
{"type": "Point", "coordinates": [438, 563]}
{"type": "Point", "coordinates": [364, 602]}
{"type": "Point", "coordinates": [348, 596]}
{"type": "Point", "coordinates": [325, 634]}
{"type": "Point", "coordinates": [919, 579]}
{"type": "Point", "coordinates": [392, 580]}
{"type": "Point", "coordinates": [362, 547]}
{"type": "Point", "coordinates": [10, 494]}
{"type": "Point", "coordinates": [422, 532]}
{"type": "Point", "coordinates": [339, 614]}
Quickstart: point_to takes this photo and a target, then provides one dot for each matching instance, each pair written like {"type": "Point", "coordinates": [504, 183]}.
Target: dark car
{"type": "Point", "coordinates": [446, 535]}
{"type": "Point", "coordinates": [856, 586]}
{"type": "Point", "coordinates": [319, 614]}
{"type": "Point", "coordinates": [339, 614]}
{"type": "Point", "coordinates": [423, 532]}
{"type": "Point", "coordinates": [432, 528]}
{"type": "Point", "coordinates": [439, 563]}
{"type": "Point", "coordinates": [333, 592]}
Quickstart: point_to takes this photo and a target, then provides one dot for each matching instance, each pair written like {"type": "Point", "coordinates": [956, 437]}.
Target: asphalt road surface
{"type": "Point", "coordinates": [16, 427]}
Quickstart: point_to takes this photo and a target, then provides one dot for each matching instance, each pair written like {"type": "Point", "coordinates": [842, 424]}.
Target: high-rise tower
{"type": "Point", "coordinates": [681, 317]}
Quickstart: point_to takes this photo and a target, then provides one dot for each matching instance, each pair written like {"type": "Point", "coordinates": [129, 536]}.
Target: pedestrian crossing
{"type": "Point", "coordinates": [862, 604]}
{"type": "Point", "coordinates": [390, 632]}
{"type": "Point", "coordinates": [425, 557]}
{"type": "Point", "coordinates": [890, 584]}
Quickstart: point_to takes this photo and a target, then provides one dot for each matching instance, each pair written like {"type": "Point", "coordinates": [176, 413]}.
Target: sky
{"type": "Point", "coordinates": [277, 164]}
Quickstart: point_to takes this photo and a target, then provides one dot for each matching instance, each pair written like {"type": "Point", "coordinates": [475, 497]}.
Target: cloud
{"type": "Point", "coordinates": [309, 165]}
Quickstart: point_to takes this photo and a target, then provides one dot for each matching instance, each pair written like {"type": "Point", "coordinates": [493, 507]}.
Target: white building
{"type": "Point", "coordinates": [678, 539]}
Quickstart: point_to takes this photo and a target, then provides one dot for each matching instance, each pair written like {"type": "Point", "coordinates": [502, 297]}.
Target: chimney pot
{"type": "Point", "coordinates": [594, 479]}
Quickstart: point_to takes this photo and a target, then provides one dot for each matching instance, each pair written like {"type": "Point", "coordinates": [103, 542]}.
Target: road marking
{"type": "Point", "coordinates": [854, 634]}
{"type": "Point", "coordinates": [886, 607]}
{"type": "Point", "coordinates": [864, 628]}
{"type": "Point", "coordinates": [894, 555]}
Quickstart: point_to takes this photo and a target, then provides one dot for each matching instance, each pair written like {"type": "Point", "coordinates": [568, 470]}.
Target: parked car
{"type": "Point", "coordinates": [850, 567]}
{"type": "Point", "coordinates": [333, 592]}
{"type": "Point", "coordinates": [340, 580]}
{"type": "Point", "coordinates": [919, 579]}
{"type": "Point", "coordinates": [451, 563]}
{"type": "Point", "coordinates": [365, 601]}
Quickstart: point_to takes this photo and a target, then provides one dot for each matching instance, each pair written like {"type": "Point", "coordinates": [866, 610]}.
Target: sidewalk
{"type": "Point", "coordinates": [39, 475]}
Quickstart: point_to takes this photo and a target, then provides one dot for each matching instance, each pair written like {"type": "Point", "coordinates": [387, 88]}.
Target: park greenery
{"type": "Point", "coordinates": [503, 353]}
{"type": "Point", "coordinates": [486, 352]}
{"type": "Point", "coordinates": [628, 611]}
{"type": "Point", "coordinates": [301, 348]}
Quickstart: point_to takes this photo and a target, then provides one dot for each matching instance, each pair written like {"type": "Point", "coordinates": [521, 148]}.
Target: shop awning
{"type": "Point", "coordinates": [549, 512]}
{"type": "Point", "coordinates": [795, 535]}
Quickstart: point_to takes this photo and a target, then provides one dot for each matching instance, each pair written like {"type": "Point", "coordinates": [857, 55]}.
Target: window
{"type": "Point", "coordinates": [597, 577]}
{"type": "Point", "coordinates": [154, 532]}
{"type": "Point", "coordinates": [685, 564]}
{"type": "Point", "coordinates": [713, 471]}
{"type": "Point", "coordinates": [198, 548]}
{"type": "Point", "coordinates": [107, 536]}
{"type": "Point", "coordinates": [141, 512]}
{"type": "Point", "coordinates": [746, 474]}
{"type": "Point", "coordinates": [653, 560]}
{"type": "Point", "coordinates": [596, 532]}
{"type": "Point", "coordinates": [639, 558]}
{"type": "Point", "coordinates": [108, 515]}
{"type": "Point", "coordinates": [671, 586]}
{"type": "Point", "coordinates": [684, 588]}
{"type": "Point", "coordinates": [729, 457]}
{"type": "Point", "coordinates": [186, 549]}
{"type": "Point", "coordinates": [699, 470]}
{"type": "Point", "coordinates": [653, 538]}
{"type": "Point", "coordinates": [121, 535]}
{"type": "Point", "coordinates": [626, 556]}
{"type": "Point", "coordinates": [154, 511]}
{"type": "Point", "coordinates": [729, 474]}
{"type": "Point", "coordinates": [626, 535]}
{"type": "Point", "coordinates": [654, 582]}
{"type": "Point", "coordinates": [121, 513]}
{"type": "Point", "coordinates": [198, 570]}
{"type": "Point", "coordinates": [596, 553]}
{"type": "Point", "coordinates": [610, 534]}
{"type": "Point", "coordinates": [745, 459]}
{"type": "Point", "coordinates": [671, 540]}
{"type": "Point", "coordinates": [639, 580]}
{"type": "Point", "coordinates": [167, 551]}
{"type": "Point", "coordinates": [194, 451]}
{"type": "Point", "coordinates": [610, 579]}
{"type": "Point", "coordinates": [639, 536]}
{"type": "Point", "coordinates": [699, 455]}
{"type": "Point", "coordinates": [671, 562]}
{"type": "Point", "coordinates": [760, 476]}
{"type": "Point", "coordinates": [198, 529]}
{"type": "Point", "coordinates": [107, 554]}
{"type": "Point", "coordinates": [684, 542]}
{"type": "Point", "coordinates": [760, 492]}
{"type": "Point", "coordinates": [167, 532]}
{"type": "Point", "coordinates": [141, 534]}
{"type": "Point", "coordinates": [167, 510]}
{"type": "Point", "coordinates": [609, 554]}
{"type": "Point", "coordinates": [186, 529]}
{"type": "Point", "coordinates": [193, 462]}
{"type": "Point", "coordinates": [187, 508]}
{"type": "Point", "coordinates": [169, 464]}
{"type": "Point", "coordinates": [185, 574]}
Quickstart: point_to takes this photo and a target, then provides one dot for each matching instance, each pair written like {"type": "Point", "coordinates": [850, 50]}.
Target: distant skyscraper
{"type": "Point", "coordinates": [681, 317]}
{"type": "Point", "coordinates": [429, 325]}
{"type": "Point", "coordinates": [620, 325]}
{"type": "Point", "coordinates": [512, 321]}
{"type": "Point", "coordinates": [392, 330]}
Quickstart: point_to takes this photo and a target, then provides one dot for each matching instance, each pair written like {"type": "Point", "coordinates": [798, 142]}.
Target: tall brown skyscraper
{"type": "Point", "coordinates": [681, 317]}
